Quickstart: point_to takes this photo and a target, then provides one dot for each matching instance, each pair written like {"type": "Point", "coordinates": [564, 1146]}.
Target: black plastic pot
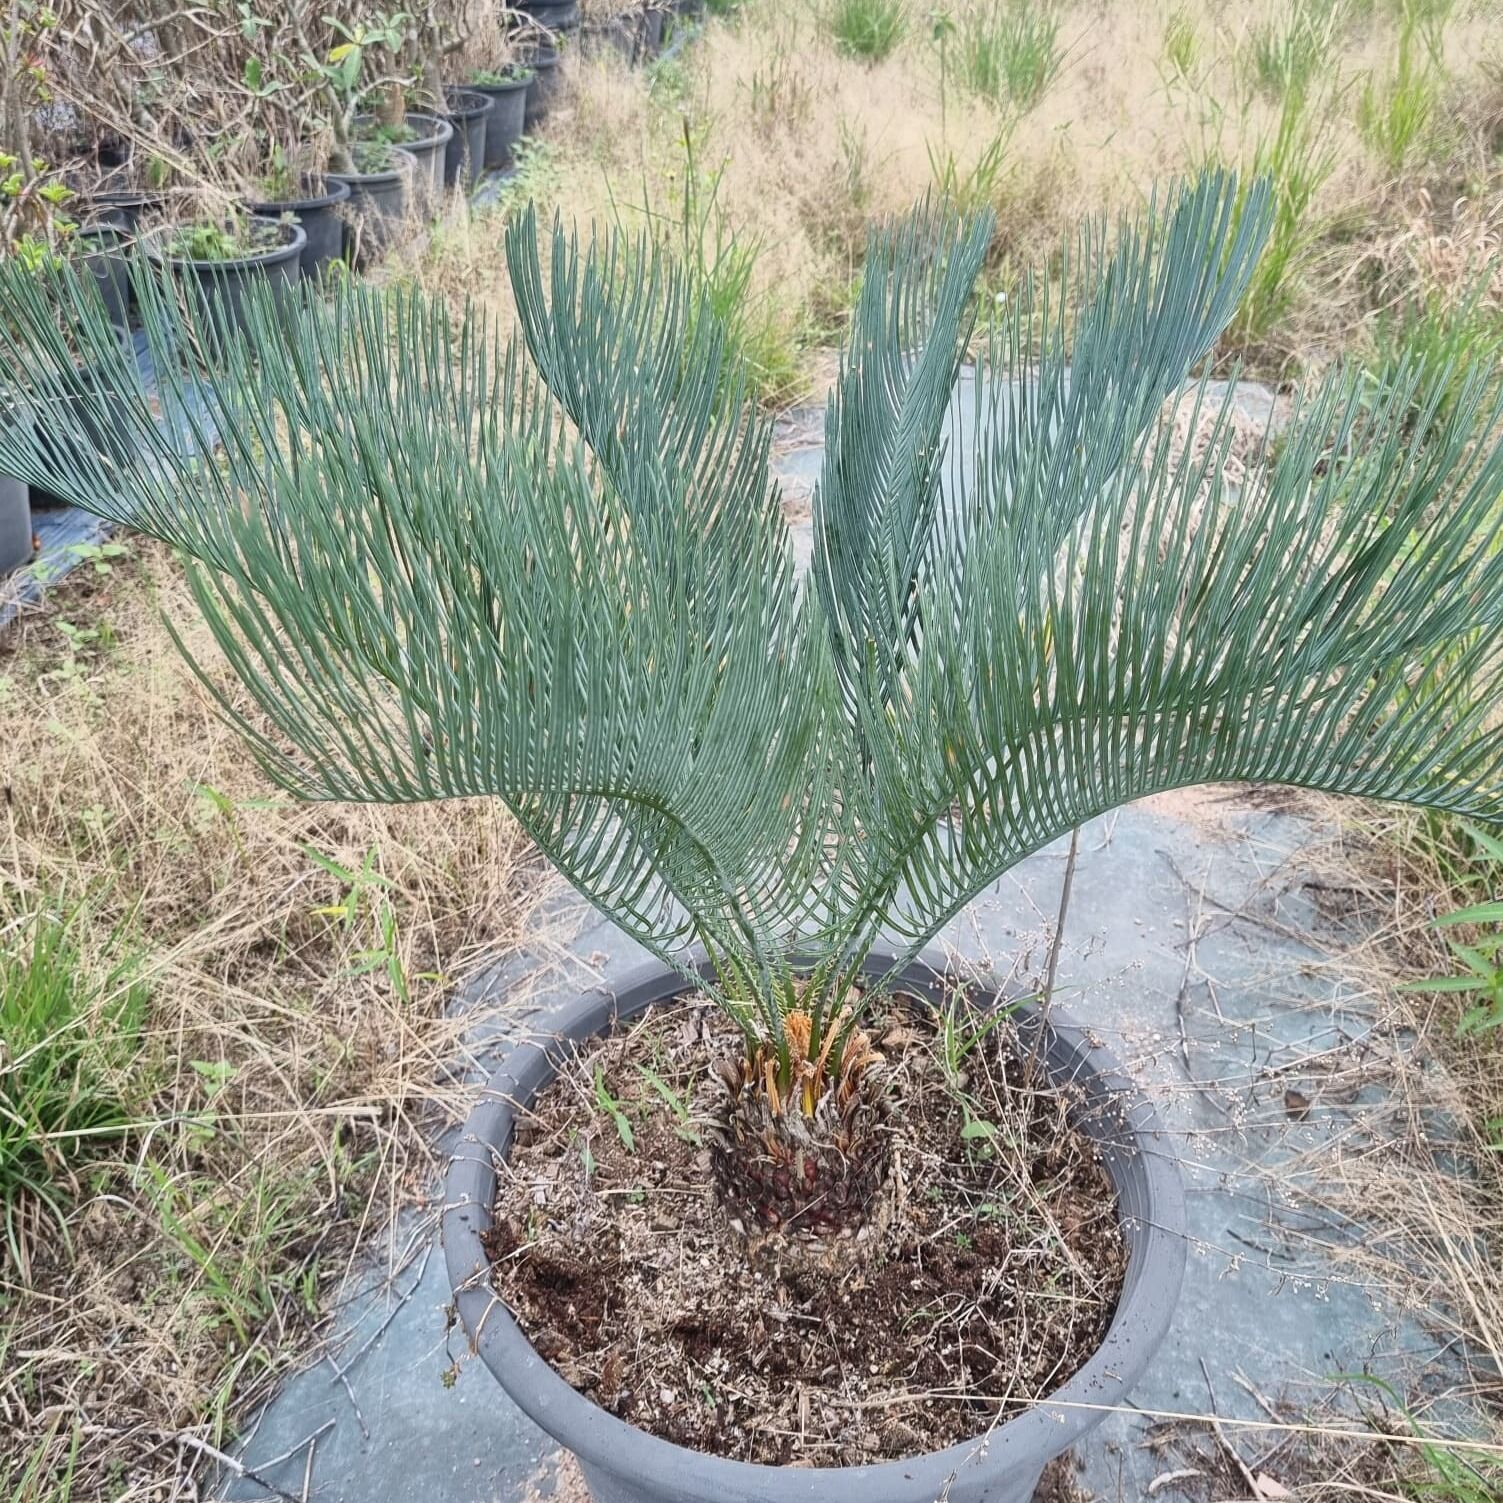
{"type": "Point", "coordinates": [318, 212]}
{"type": "Point", "coordinates": [124, 208]}
{"type": "Point", "coordinates": [635, 34]}
{"type": "Point", "coordinates": [504, 124]}
{"type": "Point", "coordinates": [546, 82]}
{"type": "Point", "coordinates": [427, 151]}
{"type": "Point", "coordinates": [469, 112]}
{"type": "Point", "coordinates": [221, 286]}
{"type": "Point", "coordinates": [100, 251]}
{"type": "Point", "coordinates": [622, 1464]}
{"type": "Point", "coordinates": [556, 15]}
{"type": "Point", "coordinates": [375, 209]}
{"type": "Point", "coordinates": [15, 522]}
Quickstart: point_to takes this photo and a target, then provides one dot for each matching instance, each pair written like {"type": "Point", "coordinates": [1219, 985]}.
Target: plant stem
{"type": "Point", "coordinates": [1057, 943]}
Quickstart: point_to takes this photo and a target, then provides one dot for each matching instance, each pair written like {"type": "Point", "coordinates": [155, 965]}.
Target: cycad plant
{"type": "Point", "coordinates": [554, 570]}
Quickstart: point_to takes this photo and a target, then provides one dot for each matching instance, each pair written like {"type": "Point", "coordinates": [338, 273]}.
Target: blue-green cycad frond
{"type": "Point", "coordinates": [555, 570]}
{"type": "Point", "coordinates": [878, 498]}
{"type": "Point", "coordinates": [439, 580]}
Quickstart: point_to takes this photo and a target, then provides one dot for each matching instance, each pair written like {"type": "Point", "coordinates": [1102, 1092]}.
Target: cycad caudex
{"type": "Point", "coordinates": [553, 568]}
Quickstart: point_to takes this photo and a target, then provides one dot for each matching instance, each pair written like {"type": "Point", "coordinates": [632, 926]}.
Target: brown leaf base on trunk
{"type": "Point", "coordinates": [783, 1171]}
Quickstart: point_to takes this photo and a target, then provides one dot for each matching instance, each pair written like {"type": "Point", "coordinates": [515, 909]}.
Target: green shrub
{"type": "Point", "coordinates": [68, 1043]}
{"type": "Point", "coordinates": [1397, 115]}
{"type": "Point", "coordinates": [868, 29]}
{"type": "Point", "coordinates": [1296, 161]}
{"type": "Point", "coordinates": [1181, 45]}
{"type": "Point", "coordinates": [1010, 54]}
{"type": "Point", "coordinates": [1292, 50]}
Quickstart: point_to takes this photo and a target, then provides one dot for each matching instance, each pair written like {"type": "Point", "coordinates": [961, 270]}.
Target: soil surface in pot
{"type": "Point", "coordinates": [205, 243]}
{"type": "Point", "coordinates": [987, 1276]}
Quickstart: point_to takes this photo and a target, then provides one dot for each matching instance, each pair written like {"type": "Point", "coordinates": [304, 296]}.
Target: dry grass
{"type": "Point", "coordinates": [287, 1088]}
{"type": "Point", "coordinates": [1415, 1170]}
{"type": "Point", "coordinates": [1431, 1168]}
{"type": "Point", "coordinates": [802, 146]}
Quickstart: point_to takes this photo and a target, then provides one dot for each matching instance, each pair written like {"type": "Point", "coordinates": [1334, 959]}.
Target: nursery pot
{"type": "Point", "coordinates": [544, 85]}
{"type": "Point", "coordinates": [636, 34]}
{"type": "Point", "coordinates": [221, 286]}
{"type": "Point", "coordinates": [317, 211]}
{"type": "Point", "coordinates": [469, 112]}
{"type": "Point", "coordinates": [622, 1464]}
{"type": "Point", "coordinates": [124, 208]}
{"type": "Point", "coordinates": [375, 208]}
{"type": "Point", "coordinates": [100, 251]}
{"type": "Point", "coordinates": [427, 152]}
{"type": "Point", "coordinates": [504, 124]}
{"type": "Point", "coordinates": [15, 523]}
{"type": "Point", "coordinates": [556, 15]}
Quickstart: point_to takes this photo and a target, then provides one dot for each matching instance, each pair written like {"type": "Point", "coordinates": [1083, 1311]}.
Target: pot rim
{"type": "Point", "coordinates": [1048, 1427]}
{"type": "Point", "coordinates": [440, 137]}
{"type": "Point", "coordinates": [336, 191]}
{"type": "Point", "coordinates": [125, 198]}
{"type": "Point", "coordinates": [510, 86]}
{"type": "Point", "coordinates": [110, 236]}
{"type": "Point", "coordinates": [480, 103]}
{"type": "Point", "coordinates": [383, 179]}
{"type": "Point", "coordinates": [293, 241]}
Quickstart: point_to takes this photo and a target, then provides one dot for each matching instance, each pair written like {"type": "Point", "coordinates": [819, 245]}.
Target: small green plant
{"type": "Point", "coordinates": [33, 200]}
{"type": "Point", "coordinates": [721, 265]}
{"type": "Point", "coordinates": [364, 896]}
{"type": "Point", "coordinates": [1291, 50]}
{"type": "Point", "coordinates": [868, 29]}
{"type": "Point", "coordinates": [962, 1030]}
{"type": "Point", "coordinates": [781, 97]}
{"type": "Point", "coordinates": [1010, 53]}
{"type": "Point", "coordinates": [39, 1480]}
{"type": "Point", "coordinates": [385, 132]}
{"type": "Point", "coordinates": [68, 1042]}
{"type": "Point", "coordinates": [1181, 46]}
{"type": "Point", "coordinates": [374, 156]}
{"type": "Point", "coordinates": [677, 1103]}
{"type": "Point", "coordinates": [82, 645]}
{"type": "Point", "coordinates": [230, 241]}
{"type": "Point", "coordinates": [100, 558]}
{"type": "Point", "coordinates": [1444, 1472]}
{"type": "Point", "coordinates": [512, 73]}
{"type": "Point", "coordinates": [612, 1109]}
{"type": "Point", "coordinates": [972, 189]}
{"type": "Point", "coordinates": [1427, 335]}
{"type": "Point", "coordinates": [1296, 161]}
{"type": "Point", "coordinates": [233, 1245]}
{"type": "Point", "coordinates": [1479, 948]}
{"type": "Point", "coordinates": [1398, 115]}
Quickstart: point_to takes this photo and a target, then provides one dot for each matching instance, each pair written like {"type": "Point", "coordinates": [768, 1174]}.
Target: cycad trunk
{"type": "Point", "coordinates": [781, 1167]}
